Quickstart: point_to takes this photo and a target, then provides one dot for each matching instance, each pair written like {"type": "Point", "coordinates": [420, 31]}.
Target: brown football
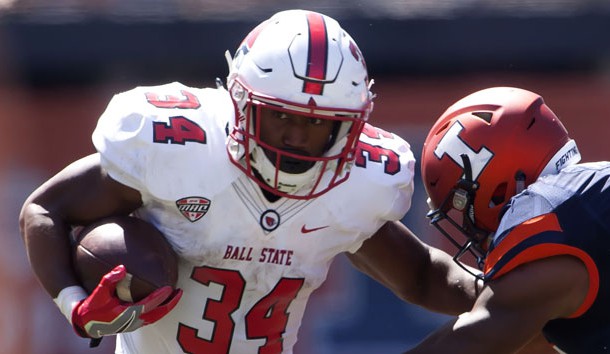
{"type": "Point", "coordinates": [143, 250]}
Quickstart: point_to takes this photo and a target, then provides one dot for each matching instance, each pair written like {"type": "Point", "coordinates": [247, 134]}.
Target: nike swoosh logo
{"type": "Point", "coordinates": [305, 230]}
{"type": "Point", "coordinates": [130, 320]}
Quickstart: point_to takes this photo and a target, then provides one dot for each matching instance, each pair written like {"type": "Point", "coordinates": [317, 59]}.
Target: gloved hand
{"type": "Point", "coordinates": [102, 313]}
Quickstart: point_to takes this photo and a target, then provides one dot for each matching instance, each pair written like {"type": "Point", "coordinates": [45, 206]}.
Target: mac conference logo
{"type": "Point", "coordinates": [193, 208]}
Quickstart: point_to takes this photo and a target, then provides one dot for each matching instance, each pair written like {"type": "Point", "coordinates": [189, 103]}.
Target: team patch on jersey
{"type": "Point", "coordinates": [193, 208]}
{"type": "Point", "coordinates": [270, 220]}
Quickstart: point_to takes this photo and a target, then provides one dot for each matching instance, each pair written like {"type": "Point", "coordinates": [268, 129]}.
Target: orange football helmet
{"type": "Point", "coordinates": [484, 149]}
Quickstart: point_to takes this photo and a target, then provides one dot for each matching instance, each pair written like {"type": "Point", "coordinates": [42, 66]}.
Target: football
{"type": "Point", "coordinates": [148, 258]}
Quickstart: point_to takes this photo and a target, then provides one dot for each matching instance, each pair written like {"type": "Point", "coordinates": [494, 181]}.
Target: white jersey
{"type": "Point", "coordinates": [248, 266]}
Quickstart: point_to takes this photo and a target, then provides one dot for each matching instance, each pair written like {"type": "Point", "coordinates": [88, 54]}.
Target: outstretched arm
{"type": "Point", "coordinates": [416, 272]}
{"type": "Point", "coordinates": [511, 311]}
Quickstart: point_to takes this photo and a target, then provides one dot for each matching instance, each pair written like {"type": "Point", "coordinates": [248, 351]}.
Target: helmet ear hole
{"type": "Point", "coordinates": [499, 195]}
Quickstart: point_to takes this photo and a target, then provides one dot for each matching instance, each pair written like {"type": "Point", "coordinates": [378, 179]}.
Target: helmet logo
{"type": "Point", "coordinates": [248, 42]}
{"type": "Point", "coordinates": [245, 46]}
{"type": "Point", "coordinates": [357, 53]}
{"type": "Point", "coordinates": [453, 146]}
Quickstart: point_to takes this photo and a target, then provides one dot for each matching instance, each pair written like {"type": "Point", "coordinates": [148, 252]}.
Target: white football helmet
{"type": "Point", "coordinates": [304, 63]}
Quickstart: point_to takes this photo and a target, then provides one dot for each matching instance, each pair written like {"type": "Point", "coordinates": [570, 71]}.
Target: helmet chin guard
{"type": "Point", "coordinates": [303, 63]}
{"type": "Point", "coordinates": [283, 182]}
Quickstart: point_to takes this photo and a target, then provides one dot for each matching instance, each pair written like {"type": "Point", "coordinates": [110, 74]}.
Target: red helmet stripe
{"type": "Point", "coordinates": [317, 55]}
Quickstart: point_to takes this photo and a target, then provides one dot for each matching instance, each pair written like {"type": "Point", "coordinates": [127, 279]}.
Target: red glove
{"type": "Point", "coordinates": [102, 313]}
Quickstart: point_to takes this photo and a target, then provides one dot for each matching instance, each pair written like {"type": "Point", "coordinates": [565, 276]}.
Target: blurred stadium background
{"type": "Point", "coordinates": [61, 61]}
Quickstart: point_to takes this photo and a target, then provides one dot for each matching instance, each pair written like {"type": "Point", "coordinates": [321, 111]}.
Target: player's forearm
{"type": "Point", "coordinates": [452, 290]}
{"type": "Point", "coordinates": [456, 338]}
{"type": "Point", "coordinates": [48, 247]}
{"type": "Point", "coordinates": [478, 332]}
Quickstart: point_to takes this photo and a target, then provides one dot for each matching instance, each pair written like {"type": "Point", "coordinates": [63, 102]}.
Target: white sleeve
{"type": "Point", "coordinates": [160, 166]}
{"type": "Point", "coordinates": [378, 190]}
{"type": "Point", "coordinates": [121, 137]}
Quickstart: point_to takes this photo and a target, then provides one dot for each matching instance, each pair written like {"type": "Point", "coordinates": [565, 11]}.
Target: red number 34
{"type": "Point", "coordinates": [268, 318]}
{"type": "Point", "coordinates": [180, 129]}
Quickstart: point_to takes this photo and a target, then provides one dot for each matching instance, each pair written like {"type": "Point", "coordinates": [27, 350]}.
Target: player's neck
{"type": "Point", "coordinates": [270, 196]}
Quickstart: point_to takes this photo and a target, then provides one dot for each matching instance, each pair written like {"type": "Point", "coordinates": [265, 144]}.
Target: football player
{"type": "Point", "coordinates": [257, 187]}
{"type": "Point", "coordinates": [504, 183]}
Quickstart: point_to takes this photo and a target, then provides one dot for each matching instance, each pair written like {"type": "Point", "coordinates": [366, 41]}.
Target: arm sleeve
{"type": "Point", "coordinates": [387, 195]}
{"type": "Point", "coordinates": [121, 138]}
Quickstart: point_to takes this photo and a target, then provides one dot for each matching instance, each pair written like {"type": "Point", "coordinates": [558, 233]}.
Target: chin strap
{"type": "Point", "coordinates": [465, 191]}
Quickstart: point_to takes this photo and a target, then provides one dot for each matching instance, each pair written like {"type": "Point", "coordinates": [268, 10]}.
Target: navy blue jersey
{"type": "Point", "coordinates": [564, 214]}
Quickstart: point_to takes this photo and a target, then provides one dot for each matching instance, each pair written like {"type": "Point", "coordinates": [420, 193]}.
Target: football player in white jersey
{"type": "Point", "coordinates": [257, 187]}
